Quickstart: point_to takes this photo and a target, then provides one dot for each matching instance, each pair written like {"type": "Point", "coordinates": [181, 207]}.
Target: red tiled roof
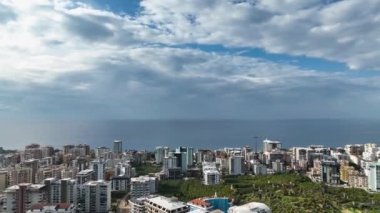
{"type": "Point", "coordinates": [200, 202]}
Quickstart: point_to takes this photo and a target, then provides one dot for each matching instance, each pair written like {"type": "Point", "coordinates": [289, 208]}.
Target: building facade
{"type": "Point", "coordinates": [97, 196]}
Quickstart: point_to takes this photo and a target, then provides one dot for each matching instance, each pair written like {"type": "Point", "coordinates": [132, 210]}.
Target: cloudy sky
{"type": "Point", "coordinates": [107, 59]}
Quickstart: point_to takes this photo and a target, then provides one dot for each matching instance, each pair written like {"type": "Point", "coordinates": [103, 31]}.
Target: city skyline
{"type": "Point", "coordinates": [189, 59]}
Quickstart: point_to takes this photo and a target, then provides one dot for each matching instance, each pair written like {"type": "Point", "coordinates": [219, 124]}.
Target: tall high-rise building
{"type": "Point", "coordinates": [181, 160]}
{"type": "Point", "coordinates": [99, 167]}
{"type": "Point", "coordinates": [236, 165]}
{"type": "Point", "coordinates": [184, 157]}
{"type": "Point", "coordinates": [67, 149]}
{"type": "Point", "coordinates": [52, 190]}
{"type": "Point", "coordinates": [118, 146]}
{"type": "Point", "coordinates": [82, 178]}
{"type": "Point", "coordinates": [68, 190]}
{"type": "Point", "coordinates": [47, 151]}
{"type": "Point", "coordinates": [60, 191]}
{"type": "Point", "coordinates": [85, 148]}
{"type": "Point", "coordinates": [3, 180]}
{"type": "Point", "coordinates": [189, 156]}
{"type": "Point", "coordinates": [97, 196]}
{"type": "Point", "coordinates": [170, 162]}
{"type": "Point", "coordinates": [247, 153]}
{"type": "Point", "coordinates": [330, 172]}
{"type": "Point", "coordinates": [159, 154]}
{"type": "Point", "coordinates": [374, 176]}
{"type": "Point", "coordinates": [100, 152]}
{"type": "Point", "coordinates": [80, 163]}
{"type": "Point", "coordinates": [32, 164]}
{"type": "Point", "coordinates": [269, 145]}
{"type": "Point", "coordinates": [20, 175]}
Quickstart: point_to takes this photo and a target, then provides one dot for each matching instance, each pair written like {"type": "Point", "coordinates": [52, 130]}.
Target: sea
{"type": "Point", "coordinates": [200, 134]}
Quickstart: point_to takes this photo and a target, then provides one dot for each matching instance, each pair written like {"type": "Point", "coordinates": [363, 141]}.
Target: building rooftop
{"type": "Point", "coordinates": [253, 207]}
{"type": "Point", "coordinates": [94, 183]}
{"type": "Point", "coordinates": [85, 172]}
{"type": "Point", "coordinates": [37, 186]}
{"type": "Point", "coordinates": [270, 141]}
{"type": "Point", "coordinates": [28, 185]}
{"type": "Point", "coordinates": [142, 179]}
{"type": "Point", "coordinates": [167, 203]}
{"type": "Point", "coordinates": [200, 202]}
{"type": "Point", "coordinates": [40, 206]}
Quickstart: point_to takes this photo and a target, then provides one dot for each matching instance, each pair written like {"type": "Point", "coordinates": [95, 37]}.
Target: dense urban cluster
{"type": "Point", "coordinates": [80, 179]}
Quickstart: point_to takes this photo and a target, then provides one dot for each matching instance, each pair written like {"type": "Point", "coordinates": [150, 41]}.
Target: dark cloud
{"type": "Point", "coordinates": [87, 28]}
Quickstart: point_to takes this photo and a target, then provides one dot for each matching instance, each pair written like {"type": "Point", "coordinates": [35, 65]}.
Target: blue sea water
{"type": "Point", "coordinates": [146, 134]}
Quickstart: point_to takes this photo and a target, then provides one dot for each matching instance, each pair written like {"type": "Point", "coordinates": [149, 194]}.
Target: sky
{"type": "Point", "coordinates": [189, 59]}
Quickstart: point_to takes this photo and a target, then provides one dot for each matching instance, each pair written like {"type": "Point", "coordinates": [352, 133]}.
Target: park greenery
{"type": "Point", "coordinates": [282, 192]}
{"type": "Point", "coordinates": [146, 168]}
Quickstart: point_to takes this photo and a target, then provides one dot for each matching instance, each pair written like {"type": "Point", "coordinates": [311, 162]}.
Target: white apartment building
{"type": "Point", "coordinates": [374, 176]}
{"type": "Point", "coordinates": [269, 145]}
{"type": "Point", "coordinates": [370, 151]}
{"type": "Point", "coordinates": [137, 205]}
{"type": "Point", "coordinates": [278, 166]}
{"type": "Point", "coordinates": [82, 178]}
{"type": "Point", "coordinates": [21, 197]}
{"type": "Point", "coordinates": [222, 162]}
{"type": "Point", "coordinates": [97, 196]}
{"type": "Point", "coordinates": [162, 204]}
{"type": "Point", "coordinates": [259, 169]}
{"type": "Point", "coordinates": [170, 162]}
{"type": "Point", "coordinates": [211, 175]}
{"type": "Point", "coordinates": [59, 208]}
{"type": "Point", "coordinates": [124, 169]}
{"type": "Point", "coordinates": [99, 167]}
{"type": "Point", "coordinates": [159, 154]}
{"type": "Point", "coordinates": [143, 186]}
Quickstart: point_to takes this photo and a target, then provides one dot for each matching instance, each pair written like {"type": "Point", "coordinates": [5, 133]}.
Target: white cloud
{"type": "Point", "coordinates": [344, 31]}
{"type": "Point", "coordinates": [79, 57]}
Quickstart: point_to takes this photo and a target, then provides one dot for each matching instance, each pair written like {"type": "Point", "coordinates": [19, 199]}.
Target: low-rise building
{"type": "Point", "coordinates": [59, 208]}
{"type": "Point", "coordinates": [162, 204]}
{"type": "Point", "coordinates": [143, 186]}
{"type": "Point", "coordinates": [358, 181]}
{"type": "Point", "coordinates": [253, 207]}
{"type": "Point", "coordinates": [137, 205]}
{"type": "Point", "coordinates": [259, 169]}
